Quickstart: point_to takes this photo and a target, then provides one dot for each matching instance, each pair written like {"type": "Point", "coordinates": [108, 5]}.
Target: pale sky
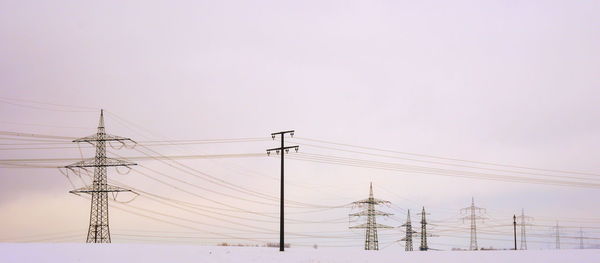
{"type": "Point", "coordinates": [510, 82]}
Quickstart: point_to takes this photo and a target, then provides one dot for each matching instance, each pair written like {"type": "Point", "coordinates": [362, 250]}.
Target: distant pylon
{"type": "Point", "coordinates": [409, 232]}
{"type": "Point", "coordinates": [371, 241]}
{"type": "Point", "coordinates": [424, 234]}
{"type": "Point", "coordinates": [472, 214]}
{"type": "Point", "coordinates": [581, 238]}
{"type": "Point", "coordinates": [523, 221]}
{"type": "Point", "coordinates": [98, 231]}
{"type": "Point", "coordinates": [557, 236]}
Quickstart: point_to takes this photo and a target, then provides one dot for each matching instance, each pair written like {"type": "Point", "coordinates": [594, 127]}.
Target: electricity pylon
{"type": "Point", "coordinates": [424, 234]}
{"type": "Point", "coordinates": [557, 236]}
{"type": "Point", "coordinates": [581, 238]}
{"type": "Point", "coordinates": [371, 242]}
{"type": "Point", "coordinates": [98, 231]}
{"type": "Point", "coordinates": [409, 232]}
{"type": "Point", "coordinates": [473, 214]}
{"type": "Point", "coordinates": [283, 149]}
{"type": "Point", "coordinates": [523, 219]}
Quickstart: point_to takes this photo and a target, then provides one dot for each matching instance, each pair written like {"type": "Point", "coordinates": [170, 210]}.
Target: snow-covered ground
{"type": "Point", "coordinates": [62, 252]}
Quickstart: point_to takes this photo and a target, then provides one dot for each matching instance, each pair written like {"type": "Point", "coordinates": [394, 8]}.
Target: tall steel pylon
{"type": "Point", "coordinates": [409, 232]}
{"type": "Point", "coordinates": [424, 234]}
{"type": "Point", "coordinates": [371, 242]}
{"type": "Point", "coordinates": [473, 215]}
{"type": "Point", "coordinates": [98, 231]}
{"type": "Point", "coordinates": [523, 222]}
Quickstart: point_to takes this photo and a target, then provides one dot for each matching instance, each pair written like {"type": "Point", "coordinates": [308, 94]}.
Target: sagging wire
{"type": "Point", "coordinates": [123, 145]}
{"type": "Point", "coordinates": [123, 173]}
{"type": "Point", "coordinates": [115, 194]}
{"type": "Point", "coordinates": [66, 174]}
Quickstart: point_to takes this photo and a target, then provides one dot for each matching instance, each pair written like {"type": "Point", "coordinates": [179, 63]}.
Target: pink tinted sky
{"type": "Point", "coordinates": [504, 81]}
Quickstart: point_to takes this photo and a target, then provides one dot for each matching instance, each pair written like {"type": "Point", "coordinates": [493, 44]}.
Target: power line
{"type": "Point", "coordinates": [447, 158]}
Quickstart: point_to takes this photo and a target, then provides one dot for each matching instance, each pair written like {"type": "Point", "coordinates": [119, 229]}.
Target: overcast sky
{"type": "Point", "coordinates": [512, 82]}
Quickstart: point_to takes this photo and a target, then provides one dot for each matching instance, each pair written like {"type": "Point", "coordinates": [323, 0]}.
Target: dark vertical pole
{"type": "Point", "coordinates": [283, 150]}
{"type": "Point", "coordinates": [515, 229]}
{"type": "Point", "coordinates": [281, 234]}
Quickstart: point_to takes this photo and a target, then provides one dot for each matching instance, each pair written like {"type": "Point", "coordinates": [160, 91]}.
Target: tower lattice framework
{"type": "Point", "coordinates": [371, 240]}
{"type": "Point", "coordinates": [98, 231]}
{"type": "Point", "coordinates": [473, 214]}
{"type": "Point", "coordinates": [523, 219]}
{"type": "Point", "coordinates": [409, 233]}
{"type": "Point", "coordinates": [424, 234]}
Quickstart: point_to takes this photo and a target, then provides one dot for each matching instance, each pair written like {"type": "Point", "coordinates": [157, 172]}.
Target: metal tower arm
{"type": "Point", "coordinates": [371, 201]}
{"type": "Point", "coordinates": [91, 189]}
{"type": "Point", "coordinates": [369, 225]}
{"type": "Point", "coordinates": [92, 163]}
{"type": "Point", "coordinates": [103, 137]}
{"type": "Point", "coordinates": [374, 212]}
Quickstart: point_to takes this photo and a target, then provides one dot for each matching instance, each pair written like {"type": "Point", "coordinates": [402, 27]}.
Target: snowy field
{"type": "Point", "coordinates": [186, 253]}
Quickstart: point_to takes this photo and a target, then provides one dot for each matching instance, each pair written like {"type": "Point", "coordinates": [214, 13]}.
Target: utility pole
{"type": "Point", "coordinates": [282, 149]}
{"type": "Point", "coordinates": [424, 234]}
{"type": "Point", "coordinates": [557, 236]}
{"type": "Point", "coordinates": [371, 242]}
{"type": "Point", "coordinates": [408, 246]}
{"type": "Point", "coordinates": [472, 214]}
{"type": "Point", "coordinates": [515, 229]}
{"type": "Point", "coordinates": [98, 231]}
{"type": "Point", "coordinates": [523, 221]}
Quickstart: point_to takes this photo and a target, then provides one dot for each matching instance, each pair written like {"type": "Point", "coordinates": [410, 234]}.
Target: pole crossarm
{"type": "Point", "coordinates": [295, 147]}
{"type": "Point", "coordinates": [91, 189]}
{"type": "Point", "coordinates": [103, 138]}
{"type": "Point", "coordinates": [291, 132]}
{"type": "Point", "coordinates": [367, 213]}
{"type": "Point", "coordinates": [473, 217]}
{"type": "Point", "coordinates": [374, 201]}
{"type": "Point", "coordinates": [94, 163]}
{"type": "Point", "coordinates": [367, 225]}
{"type": "Point", "coordinates": [468, 209]}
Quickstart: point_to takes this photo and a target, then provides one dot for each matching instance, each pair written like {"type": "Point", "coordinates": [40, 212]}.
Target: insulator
{"type": "Point", "coordinates": [287, 150]}
{"type": "Point", "coordinates": [277, 151]}
{"type": "Point", "coordinates": [273, 136]}
{"type": "Point", "coordinates": [268, 153]}
{"type": "Point", "coordinates": [292, 134]}
{"type": "Point", "coordinates": [296, 148]}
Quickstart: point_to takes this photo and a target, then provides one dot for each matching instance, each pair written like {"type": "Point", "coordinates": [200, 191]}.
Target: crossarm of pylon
{"type": "Point", "coordinates": [90, 189]}
{"type": "Point", "coordinates": [105, 137]}
{"type": "Point", "coordinates": [92, 163]}
{"type": "Point", "coordinates": [474, 217]}
{"type": "Point", "coordinates": [472, 208]}
{"type": "Point", "coordinates": [375, 212]}
{"type": "Point", "coordinates": [370, 225]}
{"type": "Point", "coordinates": [371, 201]}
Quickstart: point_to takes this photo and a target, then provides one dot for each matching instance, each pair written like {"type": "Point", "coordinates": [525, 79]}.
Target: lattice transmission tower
{"type": "Point", "coordinates": [98, 231]}
{"type": "Point", "coordinates": [524, 222]}
{"type": "Point", "coordinates": [371, 242]}
{"type": "Point", "coordinates": [473, 214]}
{"type": "Point", "coordinates": [424, 233]}
{"type": "Point", "coordinates": [409, 233]}
{"type": "Point", "coordinates": [557, 235]}
{"type": "Point", "coordinates": [581, 246]}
